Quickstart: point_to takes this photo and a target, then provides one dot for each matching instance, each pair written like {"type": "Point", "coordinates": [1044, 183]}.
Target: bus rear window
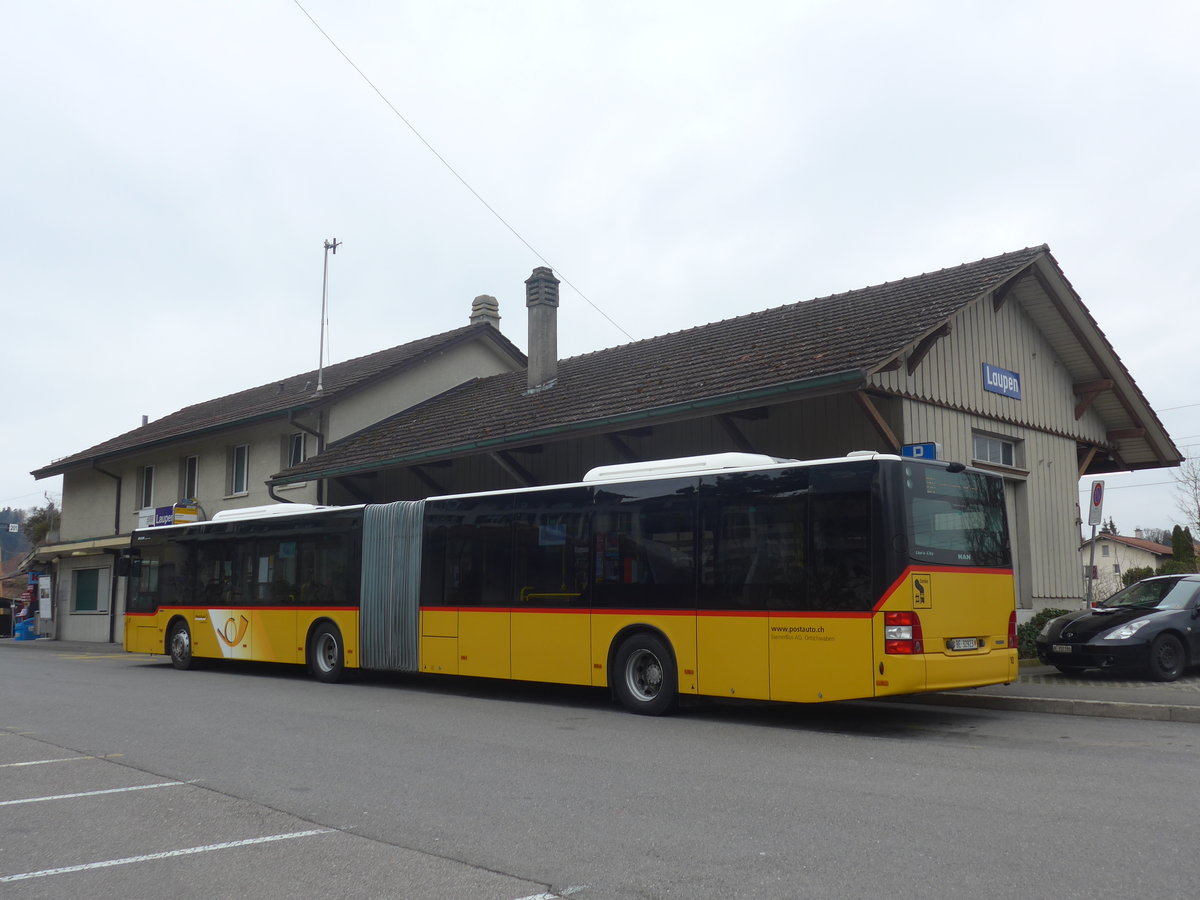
{"type": "Point", "coordinates": [956, 518]}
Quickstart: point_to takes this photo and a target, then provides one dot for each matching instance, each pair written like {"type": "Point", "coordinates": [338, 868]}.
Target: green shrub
{"type": "Point", "coordinates": [1027, 632]}
{"type": "Point", "coordinates": [1137, 573]}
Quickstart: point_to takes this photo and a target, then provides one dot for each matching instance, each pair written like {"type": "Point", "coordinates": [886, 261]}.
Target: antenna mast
{"type": "Point", "coordinates": [329, 245]}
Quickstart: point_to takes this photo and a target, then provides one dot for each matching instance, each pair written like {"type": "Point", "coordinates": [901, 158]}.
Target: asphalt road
{"type": "Point", "coordinates": [122, 777]}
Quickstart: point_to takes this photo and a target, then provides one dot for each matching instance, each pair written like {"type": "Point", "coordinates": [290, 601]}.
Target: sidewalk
{"type": "Point", "coordinates": [1044, 689]}
{"type": "Point", "coordinates": [1038, 689]}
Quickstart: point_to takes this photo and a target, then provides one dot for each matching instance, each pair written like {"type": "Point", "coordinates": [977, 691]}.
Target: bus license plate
{"type": "Point", "coordinates": [1061, 648]}
{"type": "Point", "coordinates": [964, 644]}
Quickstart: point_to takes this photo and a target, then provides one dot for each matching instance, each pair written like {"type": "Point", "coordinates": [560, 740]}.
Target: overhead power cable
{"type": "Point", "coordinates": [454, 172]}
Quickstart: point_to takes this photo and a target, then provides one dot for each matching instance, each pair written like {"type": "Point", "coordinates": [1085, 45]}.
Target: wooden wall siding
{"type": "Point", "coordinates": [952, 373]}
{"type": "Point", "coordinates": [1051, 495]}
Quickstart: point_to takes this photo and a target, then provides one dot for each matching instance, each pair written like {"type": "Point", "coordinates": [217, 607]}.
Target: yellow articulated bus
{"type": "Point", "coordinates": [733, 575]}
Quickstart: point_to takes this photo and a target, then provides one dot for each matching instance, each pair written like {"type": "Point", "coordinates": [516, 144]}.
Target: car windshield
{"type": "Point", "coordinates": [1157, 593]}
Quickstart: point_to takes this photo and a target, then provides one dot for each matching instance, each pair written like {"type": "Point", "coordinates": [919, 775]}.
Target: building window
{"type": "Point", "coordinates": [90, 592]}
{"type": "Point", "coordinates": [146, 488]}
{"type": "Point", "coordinates": [295, 449]}
{"type": "Point", "coordinates": [191, 478]}
{"type": "Point", "coordinates": [1104, 548]}
{"type": "Point", "coordinates": [994, 450]}
{"type": "Point", "coordinates": [239, 469]}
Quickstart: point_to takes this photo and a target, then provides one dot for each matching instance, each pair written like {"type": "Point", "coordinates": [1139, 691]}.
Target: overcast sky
{"type": "Point", "coordinates": [172, 170]}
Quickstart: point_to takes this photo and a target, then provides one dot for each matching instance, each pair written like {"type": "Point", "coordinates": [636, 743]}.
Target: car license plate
{"type": "Point", "coordinates": [1061, 648]}
{"type": "Point", "coordinates": [964, 644]}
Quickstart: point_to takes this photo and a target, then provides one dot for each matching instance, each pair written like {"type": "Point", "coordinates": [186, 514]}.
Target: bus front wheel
{"type": "Point", "coordinates": [645, 678]}
{"type": "Point", "coordinates": [326, 653]}
{"type": "Point", "coordinates": [180, 646]}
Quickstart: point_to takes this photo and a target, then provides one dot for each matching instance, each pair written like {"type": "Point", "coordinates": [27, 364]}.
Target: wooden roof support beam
{"type": "Point", "coordinates": [428, 480]}
{"type": "Point", "coordinates": [1001, 294]}
{"type": "Point", "coordinates": [735, 434]}
{"type": "Point", "coordinates": [877, 420]}
{"type": "Point", "coordinates": [891, 365]}
{"type": "Point", "coordinates": [1085, 461]}
{"type": "Point", "coordinates": [348, 485]}
{"type": "Point", "coordinates": [926, 344]}
{"type": "Point", "coordinates": [1087, 392]}
{"type": "Point", "coordinates": [623, 449]}
{"type": "Point", "coordinates": [513, 468]}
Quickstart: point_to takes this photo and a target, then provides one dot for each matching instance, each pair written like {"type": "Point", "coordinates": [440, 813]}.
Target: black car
{"type": "Point", "coordinates": [1152, 625]}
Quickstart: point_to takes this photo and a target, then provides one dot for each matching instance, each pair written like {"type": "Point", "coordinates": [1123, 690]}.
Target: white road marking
{"type": "Point", "coordinates": [42, 762]}
{"type": "Point", "coordinates": [166, 854]}
{"type": "Point", "coordinates": [139, 787]}
{"type": "Point", "coordinates": [550, 895]}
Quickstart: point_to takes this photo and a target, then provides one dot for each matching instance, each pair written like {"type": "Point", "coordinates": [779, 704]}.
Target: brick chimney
{"type": "Point", "coordinates": [485, 311]}
{"type": "Point", "coordinates": [541, 297]}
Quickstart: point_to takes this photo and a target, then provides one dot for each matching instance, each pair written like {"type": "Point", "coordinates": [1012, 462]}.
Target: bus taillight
{"type": "Point", "coordinates": [1012, 629]}
{"type": "Point", "coordinates": [902, 632]}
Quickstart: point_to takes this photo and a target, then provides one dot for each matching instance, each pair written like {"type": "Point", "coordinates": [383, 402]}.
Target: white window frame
{"type": "Point", "coordinates": [236, 489]}
{"type": "Point", "coordinates": [146, 487]}
{"type": "Point", "coordinates": [102, 589]}
{"type": "Point", "coordinates": [991, 450]}
{"type": "Point", "coordinates": [190, 486]}
{"type": "Point", "coordinates": [296, 441]}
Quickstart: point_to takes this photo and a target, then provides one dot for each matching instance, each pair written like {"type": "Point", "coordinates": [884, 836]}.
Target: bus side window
{"type": "Point", "coordinates": [551, 549]}
{"type": "Point", "coordinates": [841, 563]}
{"type": "Point", "coordinates": [644, 545]}
{"type": "Point", "coordinates": [477, 559]}
{"type": "Point", "coordinates": [754, 541]}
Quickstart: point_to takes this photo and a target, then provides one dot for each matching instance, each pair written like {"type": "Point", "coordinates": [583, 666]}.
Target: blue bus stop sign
{"type": "Point", "coordinates": [929, 450]}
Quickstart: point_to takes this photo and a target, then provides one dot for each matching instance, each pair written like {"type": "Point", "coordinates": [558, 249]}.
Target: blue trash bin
{"type": "Point", "coordinates": [24, 631]}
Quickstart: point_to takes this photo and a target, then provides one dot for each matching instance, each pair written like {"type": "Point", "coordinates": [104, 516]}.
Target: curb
{"type": "Point", "coordinates": [1158, 712]}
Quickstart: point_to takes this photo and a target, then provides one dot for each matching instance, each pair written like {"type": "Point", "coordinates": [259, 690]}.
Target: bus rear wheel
{"type": "Point", "coordinates": [646, 679]}
{"type": "Point", "coordinates": [326, 653]}
{"type": "Point", "coordinates": [179, 645]}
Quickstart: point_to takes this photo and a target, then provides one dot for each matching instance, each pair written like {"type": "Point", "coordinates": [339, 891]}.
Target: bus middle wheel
{"type": "Point", "coordinates": [645, 678]}
{"type": "Point", "coordinates": [326, 653]}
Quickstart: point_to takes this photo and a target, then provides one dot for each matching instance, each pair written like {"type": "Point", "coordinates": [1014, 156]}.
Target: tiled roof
{"type": "Point", "coordinates": [279, 397]}
{"type": "Point", "coordinates": [840, 338]}
{"type": "Point", "coordinates": [1138, 543]}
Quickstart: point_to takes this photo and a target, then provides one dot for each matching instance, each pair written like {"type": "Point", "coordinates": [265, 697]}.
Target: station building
{"type": "Point", "coordinates": [995, 363]}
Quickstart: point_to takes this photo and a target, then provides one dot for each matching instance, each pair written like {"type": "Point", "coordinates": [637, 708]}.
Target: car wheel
{"type": "Point", "coordinates": [180, 646]}
{"type": "Point", "coordinates": [326, 658]}
{"type": "Point", "coordinates": [1166, 658]}
{"type": "Point", "coordinates": [645, 679]}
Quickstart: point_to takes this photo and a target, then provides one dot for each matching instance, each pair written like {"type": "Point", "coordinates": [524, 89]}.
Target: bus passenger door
{"type": "Point", "coordinates": [550, 625]}
{"type": "Point", "coordinates": [821, 645]}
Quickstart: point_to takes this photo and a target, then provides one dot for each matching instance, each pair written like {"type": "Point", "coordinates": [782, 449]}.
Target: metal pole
{"type": "Point", "coordinates": [329, 245]}
{"type": "Point", "coordinates": [1091, 568]}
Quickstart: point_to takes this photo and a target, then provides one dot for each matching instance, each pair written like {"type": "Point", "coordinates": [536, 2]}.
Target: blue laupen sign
{"type": "Point", "coordinates": [1001, 381]}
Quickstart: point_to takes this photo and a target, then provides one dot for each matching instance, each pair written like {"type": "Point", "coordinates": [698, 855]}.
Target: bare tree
{"type": "Point", "coordinates": [1187, 491]}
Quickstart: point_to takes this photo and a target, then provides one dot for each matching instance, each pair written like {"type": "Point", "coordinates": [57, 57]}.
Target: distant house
{"type": "Point", "coordinates": [1115, 555]}
{"type": "Point", "coordinates": [995, 363]}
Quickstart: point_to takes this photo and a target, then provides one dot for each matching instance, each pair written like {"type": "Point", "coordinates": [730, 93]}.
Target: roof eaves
{"type": "Point", "coordinates": [835, 383]}
{"type": "Point", "coordinates": [93, 460]}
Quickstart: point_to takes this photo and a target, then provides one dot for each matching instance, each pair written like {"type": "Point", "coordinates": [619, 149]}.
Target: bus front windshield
{"type": "Point", "coordinates": [956, 518]}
